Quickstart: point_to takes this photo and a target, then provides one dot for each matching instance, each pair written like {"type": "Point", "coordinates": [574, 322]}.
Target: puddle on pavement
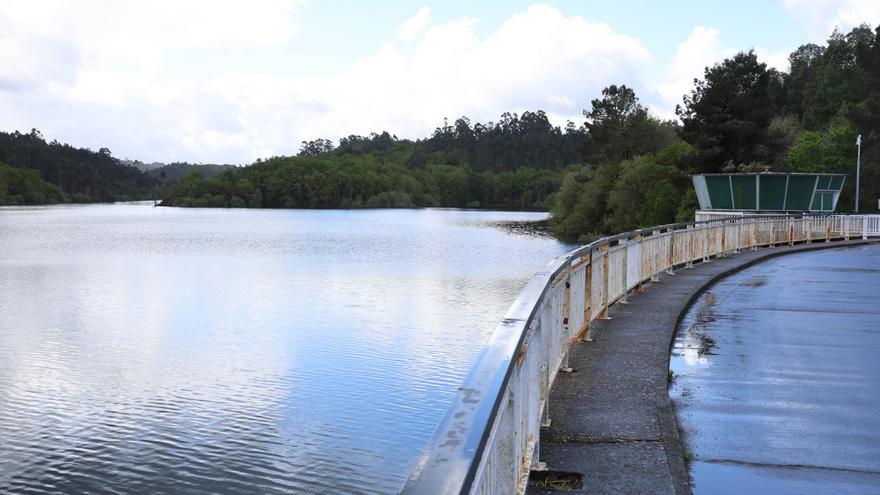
{"type": "Point", "coordinates": [694, 344]}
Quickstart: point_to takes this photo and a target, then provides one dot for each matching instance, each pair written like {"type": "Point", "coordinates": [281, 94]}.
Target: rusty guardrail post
{"type": "Point", "coordinates": [707, 241]}
{"type": "Point", "coordinates": [655, 276]}
{"type": "Point", "coordinates": [691, 247]}
{"type": "Point", "coordinates": [625, 243]}
{"type": "Point", "coordinates": [603, 314]}
{"type": "Point", "coordinates": [566, 318]}
{"type": "Point", "coordinates": [737, 246]}
{"type": "Point", "coordinates": [638, 287]}
{"type": "Point", "coordinates": [754, 236]}
{"type": "Point", "coordinates": [588, 295]}
{"type": "Point", "coordinates": [670, 257]}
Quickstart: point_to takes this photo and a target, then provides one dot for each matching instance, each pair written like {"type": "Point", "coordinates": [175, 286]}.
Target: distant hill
{"type": "Point", "coordinates": [173, 172]}
{"type": "Point", "coordinates": [40, 172]}
{"type": "Point", "coordinates": [169, 174]}
{"type": "Point", "coordinates": [143, 167]}
{"type": "Point", "coordinates": [81, 174]}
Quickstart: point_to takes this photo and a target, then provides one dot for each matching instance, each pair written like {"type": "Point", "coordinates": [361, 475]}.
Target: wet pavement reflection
{"type": "Point", "coordinates": [777, 377]}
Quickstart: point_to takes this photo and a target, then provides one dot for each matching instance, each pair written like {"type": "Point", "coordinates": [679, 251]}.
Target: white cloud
{"type": "Point", "coordinates": [701, 49]}
{"type": "Point", "coordinates": [414, 26]}
{"type": "Point", "coordinates": [99, 77]}
{"type": "Point", "coordinates": [822, 16]}
{"type": "Point", "coordinates": [537, 59]}
{"type": "Point", "coordinates": [776, 60]}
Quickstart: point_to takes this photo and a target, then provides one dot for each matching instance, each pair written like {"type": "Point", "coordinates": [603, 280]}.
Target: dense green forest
{"type": "Point", "coordinates": [623, 168]}
{"type": "Point", "coordinates": [39, 172]}
{"type": "Point", "coordinates": [20, 186]}
{"type": "Point", "coordinates": [517, 162]}
{"type": "Point", "coordinates": [381, 172]}
{"type": "Point", "coordinates": [741, 116]}
{"type": "Point", "coordinates": [82, 175]}
{"type": "Point", "coordinates": [167, 175]}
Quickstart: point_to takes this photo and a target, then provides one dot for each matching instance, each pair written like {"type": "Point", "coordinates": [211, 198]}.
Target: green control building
{"type": "Point", "coordinates": [769, 192]}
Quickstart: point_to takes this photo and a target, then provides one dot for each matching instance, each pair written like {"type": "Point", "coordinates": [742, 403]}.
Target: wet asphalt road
{"type": "Point", "coordinates": [777, 377]}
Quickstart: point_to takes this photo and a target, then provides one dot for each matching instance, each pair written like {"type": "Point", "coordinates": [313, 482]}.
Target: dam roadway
{"type": "Point", "coordinates": [614, 423]}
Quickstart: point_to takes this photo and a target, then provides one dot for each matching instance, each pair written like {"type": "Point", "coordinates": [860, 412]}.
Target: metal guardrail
{"type": "Point", "coordinates": [489, 438]}
{"type": "Point", "coordinates": [703, 215]}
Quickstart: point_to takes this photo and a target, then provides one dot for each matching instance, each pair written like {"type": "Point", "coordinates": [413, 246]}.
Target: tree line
{"type": "Point", "coordinates": [369, 179]}
{"type": "Point", "coordinates": [82, 175]}
{"type": "Point", "coordinates": [34, 171]}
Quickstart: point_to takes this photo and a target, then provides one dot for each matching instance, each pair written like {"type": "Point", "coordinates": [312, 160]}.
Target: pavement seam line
{"type": "Point", "coordinates": [785, 466]}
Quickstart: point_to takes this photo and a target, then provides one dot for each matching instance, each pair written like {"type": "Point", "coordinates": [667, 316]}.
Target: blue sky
{"type": "Point", "coordinates": [229, 81]}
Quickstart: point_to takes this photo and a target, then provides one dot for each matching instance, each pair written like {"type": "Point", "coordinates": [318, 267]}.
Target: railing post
{"type": "Point", "coordinates": [670, 257]}
{"type": "Point", "coordinates": [545, 413]}
{"type": "Point", "coordinates": [790, 233]}
{"type": "Point", "coordinates": [655, 275]}
{"type": "Point", "coordinates": [755, 224]}
{"type": "Point", "coordinates": [638, 287]}
{"type": "Point", "coordinates": [691, 247]}
{"type": "Point", "coordinates": [808, 226]}
{"type": "Point", "coordinates": [737, 246]}
{"type": "Point", "coordinates": [707, 241]}
{"type": "Point", "coordinates": [566, 319]}
{"type": "Point", "coordinates": [603, 315]}
{"type": "Point", "coordinates": [588, 294]}
{"type": "Point", "coordinates": [537, 465]}
{"type": "Point", "coordinates": [864, 227]}
{"type": "Point", "coordinates": [828, 222]}
{"type": "Point", "coordinates": [625, 243]}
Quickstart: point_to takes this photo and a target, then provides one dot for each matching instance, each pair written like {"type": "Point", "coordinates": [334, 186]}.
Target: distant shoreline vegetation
{"type": "Point", "coordinates": [21, 186]}
{"type": "Point", "coordinates": [517, 163]}
{"type": "Point", "coordinates": [30, 165]}
{"type": "Point", "coordinates": [623, 168]}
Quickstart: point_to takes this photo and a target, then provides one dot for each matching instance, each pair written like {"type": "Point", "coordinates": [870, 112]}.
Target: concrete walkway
{"type": "Point", "coordinates": [612, 419]}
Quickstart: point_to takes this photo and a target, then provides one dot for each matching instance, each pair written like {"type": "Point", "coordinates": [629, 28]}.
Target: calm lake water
{"type": "Point", "coordinates": [777, 377]}
{"type": "Point", "coordinates": [164, 350]}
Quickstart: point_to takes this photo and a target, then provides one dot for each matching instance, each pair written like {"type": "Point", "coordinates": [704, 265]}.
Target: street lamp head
{"type": "Point", "coordinates": [859, 140]}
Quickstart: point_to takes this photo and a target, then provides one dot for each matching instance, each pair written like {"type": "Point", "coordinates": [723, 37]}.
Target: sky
{"type": "Point", "coordinates": [228, 81]}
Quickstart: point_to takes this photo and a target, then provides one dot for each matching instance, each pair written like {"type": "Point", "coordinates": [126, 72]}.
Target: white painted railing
{"type": "Point", "coordinates": [489, 438]}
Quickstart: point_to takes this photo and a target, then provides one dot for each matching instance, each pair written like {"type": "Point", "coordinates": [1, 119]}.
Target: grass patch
{"type": "Point", "coordinates": [687, 455]}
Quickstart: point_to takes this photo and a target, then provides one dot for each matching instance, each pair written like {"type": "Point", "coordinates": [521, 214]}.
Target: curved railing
{"type": "Point", "coordinates": [488, 440]}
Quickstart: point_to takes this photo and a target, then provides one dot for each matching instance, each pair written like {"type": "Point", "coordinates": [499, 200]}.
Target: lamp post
{"type": "Point", "coordinates": [858, 168]}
